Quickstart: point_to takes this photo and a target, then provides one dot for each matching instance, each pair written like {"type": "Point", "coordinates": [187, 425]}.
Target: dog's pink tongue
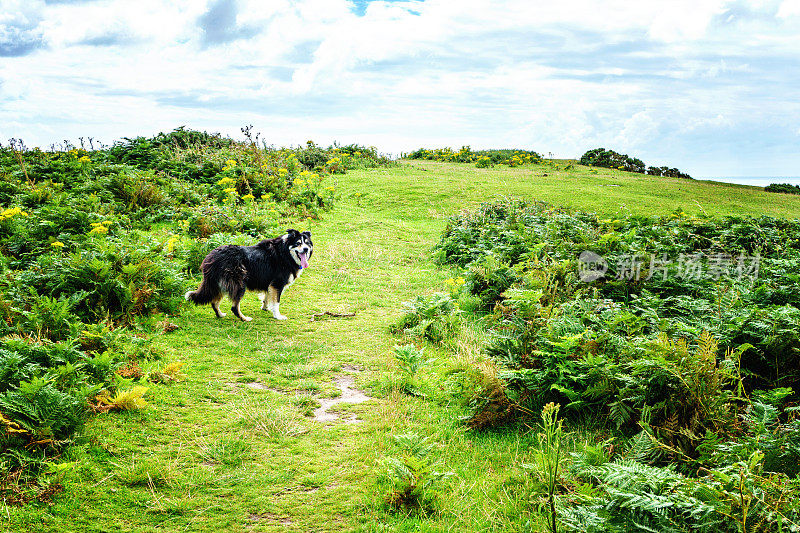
{"type": "Point", "coordinates": [303, 261]}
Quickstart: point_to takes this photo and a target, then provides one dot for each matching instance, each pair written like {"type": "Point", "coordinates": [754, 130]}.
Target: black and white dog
{"type": "Point", "coordinates": [268, 268]}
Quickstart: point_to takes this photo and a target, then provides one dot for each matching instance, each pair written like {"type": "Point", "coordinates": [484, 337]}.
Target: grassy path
{"type": "Point", "coordinates": [232, 448]}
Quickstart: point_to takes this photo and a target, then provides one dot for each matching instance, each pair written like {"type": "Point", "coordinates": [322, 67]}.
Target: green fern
{"type": "Point", "coordinates": [413, 473]}
{"type": "Point", "coordinates": [46, 412]}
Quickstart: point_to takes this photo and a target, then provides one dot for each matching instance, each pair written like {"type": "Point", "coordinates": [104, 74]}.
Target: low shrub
{"type": "Point", "coordinates": [740, 492]}
{"type": "Point", "coordinates": [100, 283]}
{"type": "Point", "coordinates": [669, 322]}
{"type": "Point", "coordinates": [488, 278]}
{"type": "Point", "coordinates": [481, 158]}
{"type": "Point", "coordinates": [433, 318]}
{"type": "Point", "coordinates": [786, 188]}
{"type": "Point", "coordinates": [412, 474]}
{"type": "Point", "coordinates": [600, 157]}
{"type": "Point", "coordinates": [410, 360]}
{"type": "Point", "coordinates": [46, 392]}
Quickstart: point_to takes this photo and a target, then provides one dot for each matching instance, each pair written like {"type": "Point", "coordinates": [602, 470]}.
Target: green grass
{"type": "Point", "coordinates": [213, 453]}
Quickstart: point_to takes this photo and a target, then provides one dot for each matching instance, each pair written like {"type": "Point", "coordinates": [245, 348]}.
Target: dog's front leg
{"type": "Point", "coordinates": [274, 302]}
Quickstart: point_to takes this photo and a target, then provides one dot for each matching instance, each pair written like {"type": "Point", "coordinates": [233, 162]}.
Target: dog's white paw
{"type": "Point", "coordinates": [247, 318]}
{"type": "Point", "coordinates": [280, 317]}
{"type": "Point", "coordinates": [222, 315]}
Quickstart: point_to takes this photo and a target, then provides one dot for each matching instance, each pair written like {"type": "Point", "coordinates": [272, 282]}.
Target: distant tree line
{"type": "Point", "coordinates": [600, 157]}
{"type": "Point", "coordinates": [787, 188]}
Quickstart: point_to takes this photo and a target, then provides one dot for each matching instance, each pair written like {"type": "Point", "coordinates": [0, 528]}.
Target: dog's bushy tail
{"type": "Point", "coordinates": [203, 295]}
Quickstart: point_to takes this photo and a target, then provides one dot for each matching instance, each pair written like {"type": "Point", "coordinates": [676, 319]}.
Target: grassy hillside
{"type": "Point", "coordinates": [608, 191]}
{"type": "Point", "coordinates": [233, 448]}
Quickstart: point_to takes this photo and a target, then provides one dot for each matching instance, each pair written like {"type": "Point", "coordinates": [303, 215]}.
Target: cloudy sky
{"type": "Point", "coordinates": [708, 86]}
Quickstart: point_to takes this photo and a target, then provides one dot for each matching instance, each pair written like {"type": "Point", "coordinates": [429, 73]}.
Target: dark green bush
{"type": "Point", "coordinates": [357, 156]}
{"type": "Point", "coordinates": [96, 284]}
{"type": "Point", "coordinates": [786, 188]}
{"type": "Point", "coordinates": [136, 190]}
{"type": "Point", "coordinates": [600, 157]}
{"type": "Point", "coordinates": [667, 172]}
{"type": "Point", "coordinates": [595, 344]}
{"type": "Point", "coordinates": [8, 189]}
{"type": "Point", "coordinates": [312, 157]}
{"type": "Point", "coordinates": [42, 410]}
{"type": "Point", "coordinates": [488, 278]}
{"type": "Point", "coordinates": [434, 318]}
{"type": "Point", "coordinates": [45, 389]}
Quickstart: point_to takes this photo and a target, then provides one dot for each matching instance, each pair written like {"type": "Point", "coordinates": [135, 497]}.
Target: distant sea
{"type": "Point", "coordinates": [761, 181]}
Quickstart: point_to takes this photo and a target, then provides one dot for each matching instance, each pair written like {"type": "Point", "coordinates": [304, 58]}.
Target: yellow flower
{"type": "Point", "coordinates": [230, 190]}
{"type": "Point", "coordinates": [12, 212]}
{"type": "Point", "coordinates": [225, 181]}
{"type": "Point", "coordinates": [457, 282]}
{"type": "Point", "coordinates": [172, 242]}
{"type": "Point", "coordinates": [248, 197]}
{"type": "Point", "coordinates": [84, 159]}
{"type": "Point", "coordinates": [98, 230]}
{"type": "Point", "coordinates": [57, 244]}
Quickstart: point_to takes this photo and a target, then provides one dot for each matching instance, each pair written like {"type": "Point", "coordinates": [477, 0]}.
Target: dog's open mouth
{"type": "Point", "coordinates": [303, 259]}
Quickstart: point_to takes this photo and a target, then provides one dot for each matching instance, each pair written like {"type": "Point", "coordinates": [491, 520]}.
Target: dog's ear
{"type": "Point", "coordinates": [292, 232]}
{"type": "Point", "coordinates": [307, 233]}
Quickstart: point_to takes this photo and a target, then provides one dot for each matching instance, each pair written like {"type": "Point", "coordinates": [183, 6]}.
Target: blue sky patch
{"type": "Point", "coordinates": [359, 7]}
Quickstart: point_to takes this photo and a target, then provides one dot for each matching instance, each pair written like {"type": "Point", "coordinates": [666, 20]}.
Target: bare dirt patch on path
{"type": "Point", "coordinates": [349, 395]}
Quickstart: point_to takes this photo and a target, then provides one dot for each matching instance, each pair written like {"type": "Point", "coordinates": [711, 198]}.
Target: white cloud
{"type": "Point", "coordinates": [789, 8]}
{"type": "Point", "coordinates": [666, 80]}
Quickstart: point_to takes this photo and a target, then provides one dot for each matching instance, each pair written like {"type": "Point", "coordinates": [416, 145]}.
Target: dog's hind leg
{"type": "Point", "coordinates": [215, 306]}
{"type": "Point", "coordinates": [236, 298]}
{"type": "Point", "coordinates": [238, 313]}
{"type": "Point", "coordinates": [266, 302]}
{"type": "Point", "coordinates": [274, 298]}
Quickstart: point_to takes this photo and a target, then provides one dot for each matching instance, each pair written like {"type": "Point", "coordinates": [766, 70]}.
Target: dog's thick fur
{"type": "Point", "coordinates": [268, 268]}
